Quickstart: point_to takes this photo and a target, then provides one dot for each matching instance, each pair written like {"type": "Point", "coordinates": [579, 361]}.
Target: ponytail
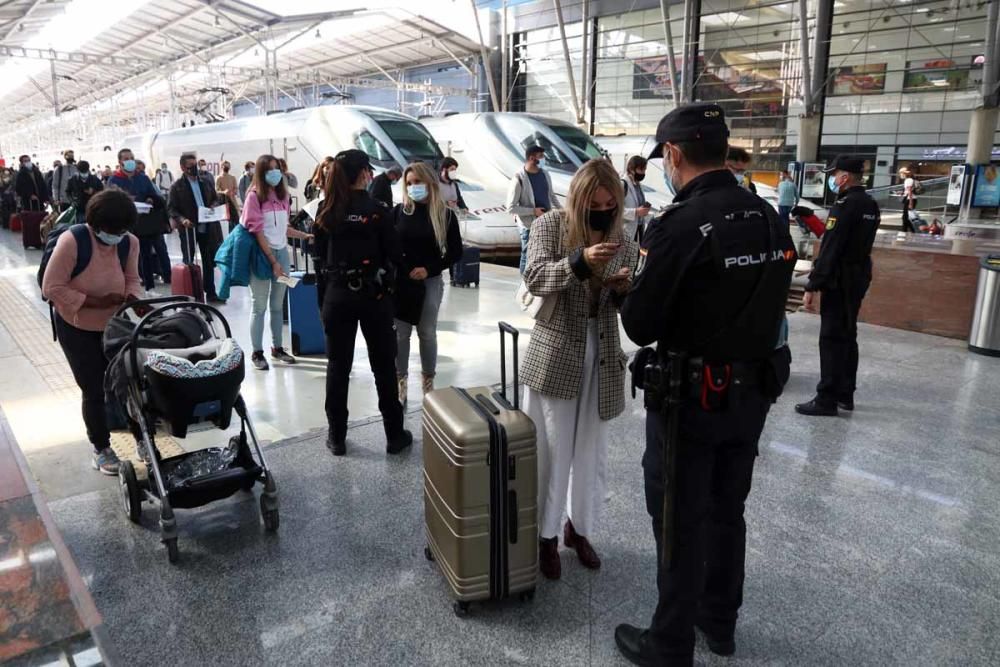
{"type": "Point", "coordinates": [336, 195]}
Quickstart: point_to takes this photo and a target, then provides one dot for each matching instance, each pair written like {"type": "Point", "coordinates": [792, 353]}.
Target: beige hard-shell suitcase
{"type": "Point", "coordinates": [481, 490]}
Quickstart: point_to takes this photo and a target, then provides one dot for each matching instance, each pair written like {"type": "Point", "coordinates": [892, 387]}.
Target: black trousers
{"type": "Point", "coordinates": [85, 354]}
{"type": "Point", "coordinates": [343, 311]}
{"type": "Point", "coordinates": [153, 259]}
{"type": "Point", "coordinates": [714, 467]}
{"type": "Point", "coordinates": [907, 223]}
{"type": "Point", "coordinates": [207, 247]}
{"type": "Point", "coordinates": [838, 341]}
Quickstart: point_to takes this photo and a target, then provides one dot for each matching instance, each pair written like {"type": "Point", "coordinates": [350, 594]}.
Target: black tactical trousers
{"type": "Point", "coordinates": [714, 467]}
{"type": "Point", "coordinates": [838, 342]}
{"type": "Point", "coordinates": [343, 311]}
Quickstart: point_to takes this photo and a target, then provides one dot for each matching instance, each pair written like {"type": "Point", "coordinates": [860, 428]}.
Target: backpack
{"type": "Point", "coordinates": [84, 251]}
{"type": "Point", "coordinates": [917, 187]}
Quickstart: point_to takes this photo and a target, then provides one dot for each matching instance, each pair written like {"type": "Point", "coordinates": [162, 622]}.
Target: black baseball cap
{"type": "Point", "coordinates": [354, 160]}
{"type": "Point", "coordinates": [690, 122]}
{"type": "Point", "coordinates": [852, 165]}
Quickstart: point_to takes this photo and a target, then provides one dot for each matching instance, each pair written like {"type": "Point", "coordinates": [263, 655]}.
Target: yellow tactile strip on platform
{"type": "Point", "coordinates": [33, 335]}
{"type": "Point", "coordinates": [124, 445]}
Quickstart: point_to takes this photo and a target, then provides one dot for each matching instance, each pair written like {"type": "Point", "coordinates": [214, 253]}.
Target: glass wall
{"type": "Point", "coordinates": [903, 74]}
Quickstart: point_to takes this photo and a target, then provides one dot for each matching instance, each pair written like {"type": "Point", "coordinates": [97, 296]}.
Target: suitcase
{"type": "Point", "coordinates": [187, 279]}
{"type": "Point", "coordinates": [31, 229]}
{"type": "Point", "coordinates": [304, 324]}
{"type": "Point", "coordinates": [465, 271]}
{"type": "Point", "coordinates": [481, 490]}
{"type": "Point", "coordinates": [15, 222]}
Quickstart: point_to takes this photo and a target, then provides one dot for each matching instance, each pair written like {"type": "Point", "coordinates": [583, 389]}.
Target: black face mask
{"type": "Point", "coordinates": [192, 170]}
{"type": "Point", "coordinates": [70, 160]}
{"type": "Point", "coordinates": [601, 221]}
{"type": "Point", "coordinates": [638, 177]}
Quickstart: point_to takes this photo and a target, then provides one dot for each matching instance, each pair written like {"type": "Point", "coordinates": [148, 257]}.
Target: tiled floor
{"type": "Point", "coordinates": [873, 538]}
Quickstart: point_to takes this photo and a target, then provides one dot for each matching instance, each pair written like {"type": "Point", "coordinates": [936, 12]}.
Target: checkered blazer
{"type": "Point", "coordinates": [553, 364]}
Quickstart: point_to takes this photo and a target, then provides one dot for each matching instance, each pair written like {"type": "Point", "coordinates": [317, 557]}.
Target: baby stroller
{"type": "Point", "coordinates": [171, 366]}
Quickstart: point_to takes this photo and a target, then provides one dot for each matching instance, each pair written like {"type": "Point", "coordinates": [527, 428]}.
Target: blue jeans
{"type": "Point", "coordinates": [268, 295]}
{"type": "Point", "coordinates": [525, 232]}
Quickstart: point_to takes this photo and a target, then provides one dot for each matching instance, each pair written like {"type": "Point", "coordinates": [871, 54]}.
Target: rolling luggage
{"type": "Point", "coordinates": [304, 324]}
{"type": "Point", "coordinates": [31, 229]}
{"type": "Point", "coordinates": [187, 279]}
{"type": "Point", "coordinates": [465, 271]}
{"type": "Point", "coordinates": [481, 490]}
{"type": "Point", "coordinates": [15, 222]}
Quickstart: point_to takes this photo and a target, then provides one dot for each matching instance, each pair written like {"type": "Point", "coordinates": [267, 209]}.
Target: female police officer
{"type": "Point", "coordinates": [356, 250]}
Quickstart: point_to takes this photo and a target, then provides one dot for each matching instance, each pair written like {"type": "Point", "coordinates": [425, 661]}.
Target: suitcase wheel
{"type": "Point", "coordinates": [527, 596]}
{"type": "Point", "coordinates": [461, 608]}
{"type": "Point", "coordinates": [428, 554]}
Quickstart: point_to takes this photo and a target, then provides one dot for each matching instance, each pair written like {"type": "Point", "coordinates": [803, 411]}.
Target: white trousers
{"type": "Point", "coordinates": [572, 450]}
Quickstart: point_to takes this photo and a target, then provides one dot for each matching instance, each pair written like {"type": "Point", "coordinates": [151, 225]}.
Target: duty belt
{"type": "Point", "coordinates": [352, 279]}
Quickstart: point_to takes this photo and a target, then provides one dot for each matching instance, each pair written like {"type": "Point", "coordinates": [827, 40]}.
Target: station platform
{"type": "Point", "coordinates": [872, 537]}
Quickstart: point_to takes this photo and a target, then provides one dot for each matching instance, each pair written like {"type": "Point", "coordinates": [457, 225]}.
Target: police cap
{"type": "Point", "coordinates": [689, 122]}
{"type": "Point", "coordinates": [851, 165]}
{"type": "Point", "coordinates": [354, 160]}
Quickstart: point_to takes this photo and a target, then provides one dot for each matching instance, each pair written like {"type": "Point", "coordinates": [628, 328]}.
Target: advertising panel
{"type": "Point", "coordinates": [813, 180]}
{"type": "Point", "coordinates": [986, 190]}
{"type": "Point", "coordinates": [858, 80]}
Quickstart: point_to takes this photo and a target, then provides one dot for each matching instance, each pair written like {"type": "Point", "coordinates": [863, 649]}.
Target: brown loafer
{"type": "Point", "coordinates": [548, 558]}
{"type": "Point", "coordinates": [588, 557]}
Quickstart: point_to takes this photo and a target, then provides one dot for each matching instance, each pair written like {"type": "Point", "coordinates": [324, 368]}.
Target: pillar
{"type": "Point", "coordinates": [808, 146]}
{"type": "Point", "coordinates": [982, 131]}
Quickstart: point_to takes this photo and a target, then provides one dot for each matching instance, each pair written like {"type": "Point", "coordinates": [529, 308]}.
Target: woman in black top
{"type": "Point", "coordinates": [432, 242]}
{"type": "Point", "coordinates": [356, 250]}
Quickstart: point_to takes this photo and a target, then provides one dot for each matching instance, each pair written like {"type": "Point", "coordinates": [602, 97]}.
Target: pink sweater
{"type": "Point", "coordinates": [103, 275]}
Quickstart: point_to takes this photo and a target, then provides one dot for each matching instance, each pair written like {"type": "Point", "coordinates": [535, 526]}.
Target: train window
{"type": "Point", "coordinates": [376, 151]}
{"type": "Point", "coordinates": [522, 132]}
{"type": "Point", "coordinates": [581, 144]}
{"type": "Point", "coordinates": [412, 140]}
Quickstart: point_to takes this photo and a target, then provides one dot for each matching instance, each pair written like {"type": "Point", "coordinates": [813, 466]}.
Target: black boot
{"type": "Point", "coordinates": [336, 441]}
{"type": "Point", "coordinates": [400, 442]}
{"type": "Point", "coordinates": [631, 641]}
{"type": "Point", "coordinates": [816, 408]}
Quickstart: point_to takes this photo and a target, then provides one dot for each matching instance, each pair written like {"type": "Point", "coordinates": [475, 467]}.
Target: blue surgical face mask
{"type": "Point", "coordinates": [671, 190]}
{"type": "Point", "coordinates": [541, 163]}
{"type": "Point", "coordinates": [109, 239]}
{"type": "Point", "coordinates": [417, 191]}
{"type": "Point", "coordinates": [739, 176]}
{"type": "Point", "coordinates": [273, 177]}
{"type": "Point", "coordinates": [128, 166]}
{"type": "Point", "coordinates": [832, 182]}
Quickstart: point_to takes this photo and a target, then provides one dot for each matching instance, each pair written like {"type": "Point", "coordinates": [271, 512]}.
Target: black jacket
{"type": "Point", "coordinates": [30, 182]}
{"type": "Point", "coordinates": [75, 190]}
{"type": "Point", "coordinates": [365, 239]}
{"type": "Point", "coordinates": [847, 244]}
{"type": "Point", "coordinates": [420, 246]}
{"type": "Point", "coordinates": [181, 204]}
{"type": "Point", "coordinates": [381, 189]}
{"type": "Point", "coordinates": [701, 286]}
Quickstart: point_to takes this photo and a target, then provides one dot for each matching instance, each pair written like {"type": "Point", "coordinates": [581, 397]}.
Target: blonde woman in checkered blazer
{"type": "Point", "coordinates": [574, 370]}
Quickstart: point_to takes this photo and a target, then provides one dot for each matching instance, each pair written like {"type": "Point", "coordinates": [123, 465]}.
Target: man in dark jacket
{"type": "Point", "coordinates": [81, 188]}
{"type": "Point", "coordinates": [381, 187]}
{"type": "Point", "coordinates": [188, 194]}
{"type": "Point", "coordinates": [32, 193]}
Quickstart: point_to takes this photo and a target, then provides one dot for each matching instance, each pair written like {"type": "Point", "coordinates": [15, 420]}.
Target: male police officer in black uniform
{"type": "Point", "coordinates": [842, 273]}
{"type": "Point", "coordinates": [356, 248]}
{"type": "Point", "coordinates": [710, 289]}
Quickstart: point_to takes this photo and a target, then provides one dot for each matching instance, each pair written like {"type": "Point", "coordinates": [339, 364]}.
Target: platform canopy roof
{"type": "Point", "coordinates": [60, 56]}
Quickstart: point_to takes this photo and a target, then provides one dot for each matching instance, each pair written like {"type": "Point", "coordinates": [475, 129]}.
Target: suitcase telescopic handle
{"type": "Point", "coordinates": [506, 328]}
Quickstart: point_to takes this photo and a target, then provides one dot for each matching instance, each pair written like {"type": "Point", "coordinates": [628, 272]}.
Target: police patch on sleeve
{"type": "Point", "coordinates": [830, 223]}
{"type": "Point", "coordinates": [642, 261]}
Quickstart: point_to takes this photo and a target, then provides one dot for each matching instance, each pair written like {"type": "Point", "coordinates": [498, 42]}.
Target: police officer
{"type": "Point", "coordinates": [710, 290]}
{"type": "Point", "coordinates": [842, 274]}
{"type": "Point", "coordinates": [356, 249]}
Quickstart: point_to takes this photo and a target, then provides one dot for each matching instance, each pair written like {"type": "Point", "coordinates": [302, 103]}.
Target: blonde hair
{"type": "Point", "coordinates": [436, 209]}
{"type": "Point", "coordinates": [594, 174]}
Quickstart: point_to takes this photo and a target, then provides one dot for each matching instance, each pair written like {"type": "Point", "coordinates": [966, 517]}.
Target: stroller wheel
{"type": "Point", "coordinates": [173, 555]}
{"type": "Point", "coordinates": [128, 487]}
{"type": "Point", "coordinates": [270, 516]}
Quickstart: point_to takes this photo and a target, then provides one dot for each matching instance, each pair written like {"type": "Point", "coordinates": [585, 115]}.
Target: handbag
{"type": "Point", "coordinates": [538, 307]}
{"type": "Point", "coordinates": [152, 224]}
